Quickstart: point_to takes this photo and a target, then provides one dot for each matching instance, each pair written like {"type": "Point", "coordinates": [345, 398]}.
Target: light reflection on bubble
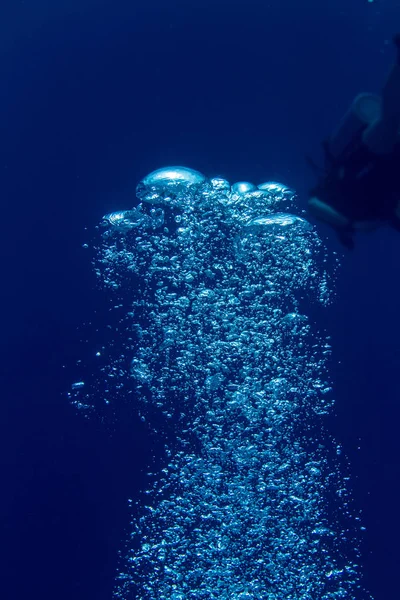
{"type": "Point", "coordinates": [218, 342]}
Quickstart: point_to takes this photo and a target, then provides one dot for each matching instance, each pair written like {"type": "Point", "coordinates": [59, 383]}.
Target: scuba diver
{"type": "Point", "coordinates": [359, 187]}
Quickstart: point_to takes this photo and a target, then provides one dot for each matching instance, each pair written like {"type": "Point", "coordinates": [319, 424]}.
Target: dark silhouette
{"type": "Point", "coordinates": [359, 187]}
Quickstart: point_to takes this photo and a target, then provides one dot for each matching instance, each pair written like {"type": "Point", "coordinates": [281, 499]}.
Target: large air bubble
{"type": "Point", "coordinates": [167, 186]}
{"type": "Point", "coordinates": [214, 343]}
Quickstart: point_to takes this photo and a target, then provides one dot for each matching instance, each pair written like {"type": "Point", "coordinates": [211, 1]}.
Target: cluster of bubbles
{"type": "Point", "coordinates": [217, 346]}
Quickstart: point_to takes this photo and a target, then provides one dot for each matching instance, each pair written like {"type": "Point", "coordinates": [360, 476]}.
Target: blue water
{"type": "Point", "coordinates": [95, 95]}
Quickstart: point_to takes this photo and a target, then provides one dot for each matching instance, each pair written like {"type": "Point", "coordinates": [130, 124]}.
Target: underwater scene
{"type": "Point", "coordinates": [200, 338]}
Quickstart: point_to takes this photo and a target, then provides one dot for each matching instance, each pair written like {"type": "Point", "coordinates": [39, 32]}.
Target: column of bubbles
{"type": "Point", "coordinates": [218, 347]}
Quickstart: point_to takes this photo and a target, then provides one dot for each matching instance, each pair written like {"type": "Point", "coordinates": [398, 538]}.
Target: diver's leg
{"type": "Point", "coordinates": [381, 136]}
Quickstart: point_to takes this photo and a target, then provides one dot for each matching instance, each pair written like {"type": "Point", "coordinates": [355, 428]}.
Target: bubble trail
{"type": "Point", "coordinates": [250, 502]}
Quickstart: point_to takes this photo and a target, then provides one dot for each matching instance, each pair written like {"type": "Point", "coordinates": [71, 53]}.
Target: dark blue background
{"type": "Point", "coordinates": [94, 95]}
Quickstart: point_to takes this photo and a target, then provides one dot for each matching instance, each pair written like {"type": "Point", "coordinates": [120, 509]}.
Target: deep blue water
{"type": "Point", "coordinates": [94, 96]}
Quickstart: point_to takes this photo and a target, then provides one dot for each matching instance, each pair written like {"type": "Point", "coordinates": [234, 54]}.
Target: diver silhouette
{"type": "Point", "coordinates": [359, 187]}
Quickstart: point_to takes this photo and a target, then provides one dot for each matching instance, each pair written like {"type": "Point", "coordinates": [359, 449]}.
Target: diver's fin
{"type": "Point", "coordinates": [322, 211]}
